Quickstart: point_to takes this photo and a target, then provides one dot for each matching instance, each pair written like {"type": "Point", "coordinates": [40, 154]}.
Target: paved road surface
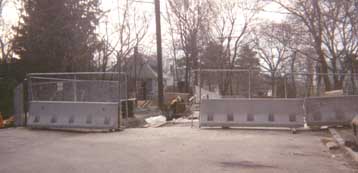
{"type": "Point", "coordinates": [167, 150]}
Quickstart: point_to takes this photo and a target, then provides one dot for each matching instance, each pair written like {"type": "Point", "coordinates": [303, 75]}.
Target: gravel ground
{"type": "Point", "coordinates": [169, 149]}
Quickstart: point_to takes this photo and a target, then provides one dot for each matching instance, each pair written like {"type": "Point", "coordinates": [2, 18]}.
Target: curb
{"type": "Point", "coordinates": [340, 142]}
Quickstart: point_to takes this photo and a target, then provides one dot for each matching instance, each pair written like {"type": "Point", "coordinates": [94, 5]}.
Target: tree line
{"type": "Point", "coordinates": [315, 37]}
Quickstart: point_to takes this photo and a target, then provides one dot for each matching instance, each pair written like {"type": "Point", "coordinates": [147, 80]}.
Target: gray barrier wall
{"type": "Point", "coordinates": [252, 112]}
{"type": "Point", "coordinates": [319, 111]}
{"type": "Point", "coordinates": [331, 110]}
{"type": "Point", "coordinates": [44, 114]}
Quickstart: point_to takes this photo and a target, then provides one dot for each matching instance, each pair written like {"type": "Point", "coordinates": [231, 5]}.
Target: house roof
{"type": "Point", "coordinates": [144, 65]}
{"type": "Point", "coordinates": [144, 71]}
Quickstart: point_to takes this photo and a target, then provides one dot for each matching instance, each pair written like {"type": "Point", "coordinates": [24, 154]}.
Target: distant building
{"type": "Point", "coordinates": [142, 76]}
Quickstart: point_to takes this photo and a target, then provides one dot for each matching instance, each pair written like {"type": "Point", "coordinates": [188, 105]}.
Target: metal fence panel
{"type": "Point", "coordinates": [331, 110]}
{"type": "Point", "coordinates": [252, 112]}
{"type": "Point", "coordinates": [57, 89]}
{"type": "Point", "coordinates": [45, 114]}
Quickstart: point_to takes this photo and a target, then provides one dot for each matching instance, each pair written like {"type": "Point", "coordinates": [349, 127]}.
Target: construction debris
{"type": "Point", "coordinates": [6, 123]}
{"type": "Point", "coordinates": [332, 145]}
{"type": "Point", "coordinates": [156, 121]}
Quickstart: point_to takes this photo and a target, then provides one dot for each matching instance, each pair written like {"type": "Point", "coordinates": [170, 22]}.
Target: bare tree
{"type": "Point", "coordinates": [309, 12]}
{"type": "Point", "coordinates": [272, 46]}
{"type": "Point", "coordinates": [338, 38]}
{"type": "Point", "coordinates": [291, 35]}
{"type": "Point", "coordinates": [192, 23]}
{"type": "Point", "coordinates": [332, 26]}
{"type": "Point", "coordinates": [232, 28]}
{"type": "Point", "coordinates": [5, 35]}
{"type": "Point", "coordinates": [174, 45]}
{"type": "Point", "coordinates": [121, 36]}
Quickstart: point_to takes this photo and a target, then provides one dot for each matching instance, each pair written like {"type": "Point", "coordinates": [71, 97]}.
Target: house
{"type": "Point", "coordinates": [142, 76]}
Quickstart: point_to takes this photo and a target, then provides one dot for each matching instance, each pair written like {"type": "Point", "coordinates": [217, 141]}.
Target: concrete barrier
{"type": "Point", "coordinates": [252, 112]}
{"type": "Point", "coordinates": [322, 111]}
{"type": "Point", "coordinates": [98, 115]}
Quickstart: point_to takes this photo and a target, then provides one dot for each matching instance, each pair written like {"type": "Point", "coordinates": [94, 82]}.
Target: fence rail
{"type": "Point", "coordinates": [254, 83]}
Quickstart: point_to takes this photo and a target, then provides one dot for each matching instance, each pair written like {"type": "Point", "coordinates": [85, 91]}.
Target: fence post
{"type": "Point", "coordinates": [120, 123]}
{"type": "Point", "coordinates": [29, 97]}
{"type": "Point", "coordinates": [75, 88]}
{"type": "Point", "coordinates": [306, 85]}
{"type": "Point", "coordinates": [199, 85]}
{"type": "Point", "coordinates": [249, 83]}
{"type": "Point", "coordinates": [285, 85]}
{"type": "Point", "coordinates": [126, 92]}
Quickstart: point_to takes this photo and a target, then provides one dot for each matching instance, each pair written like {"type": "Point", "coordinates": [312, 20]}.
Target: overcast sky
{"type": "Point", "coordinates": [11, 16]}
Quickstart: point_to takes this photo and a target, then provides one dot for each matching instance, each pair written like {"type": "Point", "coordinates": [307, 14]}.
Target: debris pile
{"type": "Point", "coordinates": [156, 121]}
{"type": "Point", "coordinates": [330, 143]}
{"type": "Point", "coordinates": [6, 123]}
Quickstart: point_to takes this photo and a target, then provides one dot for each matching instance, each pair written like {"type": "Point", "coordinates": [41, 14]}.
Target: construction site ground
{"type": "Point", "coordinates": [172, 148]}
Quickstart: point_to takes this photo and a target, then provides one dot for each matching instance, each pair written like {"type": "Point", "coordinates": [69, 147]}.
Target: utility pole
{"type": "Point", "coordinates": [159, 53]}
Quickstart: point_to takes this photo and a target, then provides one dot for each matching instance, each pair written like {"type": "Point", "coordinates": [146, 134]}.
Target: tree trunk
{"type": "Point", "coordinates": [353, 76]}
{"type": "Point", "coordinates": [318, 45]}
{"type": "Point", "coordinates": [324, 66]}
{"type": "Point", "coordinates": [273, 84]}
{"type": "Point", "coordinates": [294, 88]}
{"type": "Point", "coordinates": [187, 69]}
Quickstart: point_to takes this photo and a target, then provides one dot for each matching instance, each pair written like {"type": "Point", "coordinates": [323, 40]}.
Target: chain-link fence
{"type": "Point", "coordinates": [77, 87]}
{"type": "Point", "coordinates": [245, 83]}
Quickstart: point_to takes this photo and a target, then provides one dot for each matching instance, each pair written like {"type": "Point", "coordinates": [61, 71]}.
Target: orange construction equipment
{"type": "Point", "coordinates": [1, 121]}
{"type": "Point", "coordinates": [9, 122]}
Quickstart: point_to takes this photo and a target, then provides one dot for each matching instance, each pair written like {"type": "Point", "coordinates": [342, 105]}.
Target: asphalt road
{"type": "Point", "coordinates": [168, 150]}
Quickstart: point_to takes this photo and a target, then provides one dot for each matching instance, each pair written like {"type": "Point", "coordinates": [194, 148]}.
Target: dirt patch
{"type": "Point", "coordinates": [326, 140]}
{"type": "Point", "coordinates": [246, 164]}
{"type": "Point", "coordinates": [350, 140]}
{"type": "Point", "coordinates": [351, 144]}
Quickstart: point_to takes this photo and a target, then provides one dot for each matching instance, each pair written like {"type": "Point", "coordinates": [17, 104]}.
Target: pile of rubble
{"type": "Point", "coordinates": [6, 123]}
